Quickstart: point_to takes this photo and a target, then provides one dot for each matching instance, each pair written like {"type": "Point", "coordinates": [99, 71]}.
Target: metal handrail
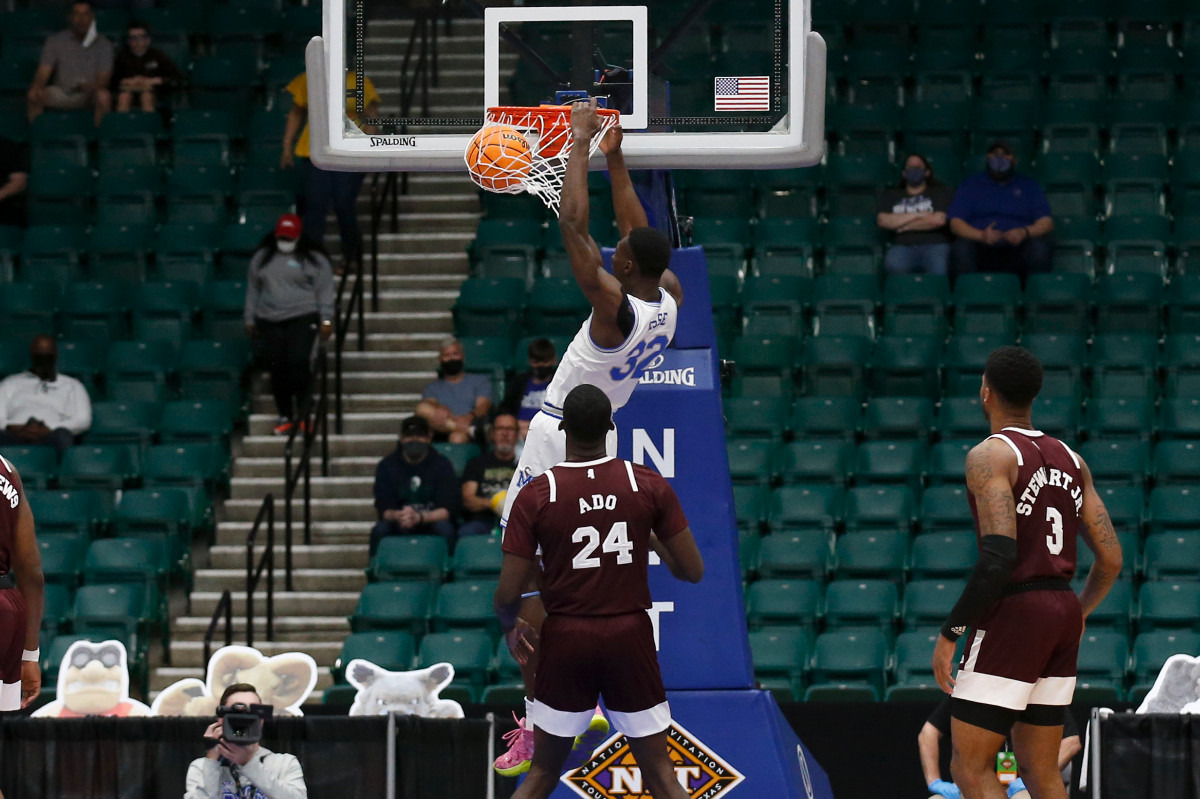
{"type": "Point", "coordinates": [314, 421]}
{"type": "Point", "coordinates": [254, 573]}
{"type": "Point", "coordinates": [344, 316]}
{"type": "Point", "coordinates": [225, 603]}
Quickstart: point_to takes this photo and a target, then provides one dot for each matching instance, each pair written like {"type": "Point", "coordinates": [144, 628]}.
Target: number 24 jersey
{"type": "Point", "coordinates": [593, 521]}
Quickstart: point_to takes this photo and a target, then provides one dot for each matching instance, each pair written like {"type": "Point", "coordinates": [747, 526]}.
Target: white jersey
{"type": "Point", "coordinates": [615, 372]}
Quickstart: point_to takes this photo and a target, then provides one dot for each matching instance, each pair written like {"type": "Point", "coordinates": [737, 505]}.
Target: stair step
{"type": "Point", "coordinates": [428, 342]}
{"type": "Point", "coordinates": [353, 423]}
{"type": "Point", "coordinates": [439, 281]}
{"type": "Point", "coordinates": [364, 444]}
{"type": "Point", "coordinates": [287, 628]}
{"type": "Point", "coordinates": [337, 533]}
{"type": "Point", "coordinates": [402, 403]}
{"type": "Point", "coordinates": [287, 603]}
{"type": "Point", "coordinates": [312, 556]}
{"type": "Point", "coordinates": [165, 676]}
{"type": "Point", "coordinates": [191, 653]}
{"type": "Point", "coordinates": [325, 510]}
{"type": "Point", "coordinates": [322, 487]}
{"type": "Point", "coordinates": [415, 322]}
{"type": "Point", "coordinates": [344, 466]}
{"type": "Point", "coordinates": [322, 579]}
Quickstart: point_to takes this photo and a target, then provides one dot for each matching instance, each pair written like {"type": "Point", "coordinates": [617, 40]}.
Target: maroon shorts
{"type": "Point", "coordinates": [1023, 655]}
{"type": "Point", "coordinates": [585, 657]}
{"type": "Point", "coordinates": [12, 645]}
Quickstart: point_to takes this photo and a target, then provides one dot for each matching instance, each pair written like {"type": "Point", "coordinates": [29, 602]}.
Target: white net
{"type": "Point", "coordinates": [497, 167]}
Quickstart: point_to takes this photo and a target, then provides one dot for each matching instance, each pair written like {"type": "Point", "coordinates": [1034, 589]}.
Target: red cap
{"type": "Point", "coordinates": [288, 227]}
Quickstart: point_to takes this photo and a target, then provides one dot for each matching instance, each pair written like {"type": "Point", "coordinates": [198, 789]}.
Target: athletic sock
{"type": "Point", "coordinates": [528, 713]}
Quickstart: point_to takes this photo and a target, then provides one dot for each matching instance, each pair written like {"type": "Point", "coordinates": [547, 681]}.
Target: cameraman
{"type": "Point", "coordinates": [245, 771]}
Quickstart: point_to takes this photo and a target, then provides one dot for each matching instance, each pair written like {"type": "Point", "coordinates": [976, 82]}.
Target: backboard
{"type": "Point", "coordinates": [701, 84]}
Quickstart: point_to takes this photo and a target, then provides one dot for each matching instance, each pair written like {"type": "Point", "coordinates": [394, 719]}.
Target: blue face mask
{"type": "Point", "coordinates": [914, 175]}
{"type": "Point", "coordinates": [999, 166]}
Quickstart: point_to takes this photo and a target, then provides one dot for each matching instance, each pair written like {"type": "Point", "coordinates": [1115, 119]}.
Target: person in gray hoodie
{"type": "Point", "coordinates": [289, 303]}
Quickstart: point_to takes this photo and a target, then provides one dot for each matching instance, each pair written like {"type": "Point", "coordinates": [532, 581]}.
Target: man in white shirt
{"type": "Point", "coordinates": [41, 407]}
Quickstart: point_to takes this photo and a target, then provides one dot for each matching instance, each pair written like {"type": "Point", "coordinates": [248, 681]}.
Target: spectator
{"type": "Point", "coordinates": [527, 391]}
{"type": "Point", "coordinates": [289, 302]}
{"type": "Point", "coordinates": [14, 176]}
{"type": "Point", "coordinates": [456, 400]}
{"type": "Point", "coordinates": [318, 188]}
{"type": "Point", "coordinates": [1001, 219]}
{"type": "Point", "coordinates": [75, 68]}
{"type": "Point", "coordinates": [42, 407]}
{"type": "Point", "coordinates": [416, 492]}
{"type": "Point", "coordinates": [486, 477]}
{"type": "Point", "coordinates": [142, 70]}
{"type": "Point", "coordinates": [915, 214]}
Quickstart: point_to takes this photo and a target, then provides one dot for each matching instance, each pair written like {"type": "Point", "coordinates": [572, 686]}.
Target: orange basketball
{"type": "Point", "coordinates": [499, 158]}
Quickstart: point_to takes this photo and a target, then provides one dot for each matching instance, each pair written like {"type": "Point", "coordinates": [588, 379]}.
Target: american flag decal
{"type": "Point", "coordinates": [742, 94]}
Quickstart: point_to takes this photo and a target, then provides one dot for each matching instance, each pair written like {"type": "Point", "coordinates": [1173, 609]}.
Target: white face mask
{"type": "Point", "coordinates": [285, 246]}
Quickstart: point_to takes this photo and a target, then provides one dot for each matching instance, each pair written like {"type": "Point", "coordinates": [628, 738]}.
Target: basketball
{"type": "Point", "coordinates": [499, 158]}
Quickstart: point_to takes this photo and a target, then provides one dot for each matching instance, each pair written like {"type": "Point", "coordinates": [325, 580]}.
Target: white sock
{"type": "Point", "coordinates": [528, 713]}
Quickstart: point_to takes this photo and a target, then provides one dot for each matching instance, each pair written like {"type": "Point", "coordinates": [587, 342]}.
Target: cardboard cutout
{"type": "Point", "coordinates": [93, 680]}
{"type": "Point", "coordinates": [283, 681]}
{"type": "Point", "coordinates": [413, 693]}
{"type": "Point", "coordinates": [1177, 687]}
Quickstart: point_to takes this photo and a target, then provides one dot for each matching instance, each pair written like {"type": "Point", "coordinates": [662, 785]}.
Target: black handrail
{"type": "Point", "coordinates": [225, 603]}
{"type": "Point", "coordinates": [342, 320]}
{"type": "Point", "coordinates": [315, 420]}
{"type": "Point", "coordinates": [254, 573]}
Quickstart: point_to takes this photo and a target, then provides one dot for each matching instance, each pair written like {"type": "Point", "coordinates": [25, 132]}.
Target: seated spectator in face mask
{"type": "Point", "coordinates": [416, 490]}
{"type": "Point", "coordinates": [915, 215]}
{"type": "Point", "coordinates": [41, 407]}
{"type": "Point", "coordinates": [457, 400]}
{"type": "Point", "coordinates": [1001, 219]}
{"type": "Point", "coordinates": [486, 477]}
{"type": "Point", "coordinates": [527, 390]}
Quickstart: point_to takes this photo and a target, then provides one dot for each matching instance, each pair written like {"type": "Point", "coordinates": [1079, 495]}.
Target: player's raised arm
{"type": "Point", "coordinates": [1098, 534]}
{"type": "Point", "coordinates": [601, 289]}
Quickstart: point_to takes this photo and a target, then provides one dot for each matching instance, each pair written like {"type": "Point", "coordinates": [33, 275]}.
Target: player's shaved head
{"type": "Point", "coordinates": [651, 251]}
{"type": "Point", "coordinates": [587, 414]}
{"type": "Point", "coordinates": [1015, 375]}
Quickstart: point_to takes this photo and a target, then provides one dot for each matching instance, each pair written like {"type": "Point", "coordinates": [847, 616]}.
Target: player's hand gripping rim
{"type": "Point", "coordinates": [521, 641]}
{"type": "Point", "coordinates": [943, 663]}
{"type": "Point", "coordinates": [584, 120]}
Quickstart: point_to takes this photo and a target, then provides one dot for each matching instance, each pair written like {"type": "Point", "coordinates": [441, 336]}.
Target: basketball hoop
{"type": "Point", "coordinates": [547, 129]}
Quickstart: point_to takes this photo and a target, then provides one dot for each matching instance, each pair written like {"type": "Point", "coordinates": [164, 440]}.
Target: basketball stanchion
{"type": "Point", "coordinates": [521, 149]}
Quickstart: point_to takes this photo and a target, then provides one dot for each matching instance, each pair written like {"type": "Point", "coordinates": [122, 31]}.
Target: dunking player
{"type": "Point", "coordinates": [1030, 495]}
{"type": "Point", "coordinates": [634, 311]}
{"type": "Point", "coordinates": [20, 595]}
{"type": "Point", "coordinates": [595, 519]}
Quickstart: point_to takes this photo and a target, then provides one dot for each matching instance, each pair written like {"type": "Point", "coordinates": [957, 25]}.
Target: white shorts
{"type": "Point", "coordinates": [545, 446]}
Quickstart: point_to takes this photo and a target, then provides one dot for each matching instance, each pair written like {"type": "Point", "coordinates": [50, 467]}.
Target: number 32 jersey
{"type": "Point", "coordinates": [593, 521]}
{"type": "Point", "coordinates": [1049, 496]}
{"type": "Point", "coordinates": [615, 372]}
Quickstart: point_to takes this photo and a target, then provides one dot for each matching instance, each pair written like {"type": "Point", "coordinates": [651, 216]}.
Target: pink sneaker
{"type": "Point", "coordinates": [586, 743]}
{"type": "Point", "coordinates": [520, 751]}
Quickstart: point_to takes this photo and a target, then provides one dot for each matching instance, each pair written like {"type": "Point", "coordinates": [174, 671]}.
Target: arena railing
{"type": "Point", "coordinates": [344, 316]}
{"type": "Point", "coordinates": [254, 574]}
{"type": "Point", "coordinates": [315, 423]}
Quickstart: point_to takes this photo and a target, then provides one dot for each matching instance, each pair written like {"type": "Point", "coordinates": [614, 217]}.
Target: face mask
{"type": "Point", "coordinates": [285, 246]}
{"type": "Point", "coordinates": [452, 368]}
{"type": "Point", "coordinates": [43, 366]}
{"type": "Point", "coordinates": [1000, 167]}
{"type": "Point", "coordinates": [542, 372]}
{"type": "Point", "coordinates": [914, 176]}
{"type": "Point", "coordinates": [414, 450]}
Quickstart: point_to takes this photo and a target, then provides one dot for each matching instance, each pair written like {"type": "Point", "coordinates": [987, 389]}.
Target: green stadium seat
{"type": "Point", "coordinates": [223, 303]}
{"type": "Point", "coordinates": [93, 311]}
{"type": "Point", "coordinates": [780, 652]}
{"type": "Point", "coordinates": [963, 360]}
{"type": "Point", "coordinates": [62, 559]}
{"type": "Point", "coordinates": [111, 609]}
{"type": "Point", "coordinates": [858, 656]}
{"type": "Point", "coordinates": [161, 512]}
{"type": "Point", "coordinates": [853, 261]}
{"type": "Point", "coordinates": [943, 555]}
{"type": "Point", "coordinates": [751, 504]}
{"type": "Point", "coordinates": [1136, 166]}
{"type": "Point", "coordinates": [765, 355]}
{"type": "Point", "coordinates": [761, 386]}
{"type": "Point", "coordinates": [861, 602]}
{"type": "Point", "coordinates": [898, 418]}
{"type": "Point", "coordinates": [1151, 650]}
{"type": "Point", "coordinates": [948, 461]}
{"type": "Point", "coordinates": [38, 466]}
{"type": "Point", "coordinates": [879, 508]}
{"type": "Point", "coordinates": [196, 464]}
{"type": "Point", "coordinates": [468, 651]}
{"type": "Point", "coordinates": [1169, 604]}
{"type": "Point", "coordinates": [196, 421]}
{"type": "Point", "coordinates": [489, 307]}
{"type": "Point", "coordinates": [1183, 305]}
{"type": "Point", "coordinates": [962, 417]}
{"type": "Point", "coordinates": [556, 307]}
{"type": "Point", "coordinates": [823, 417]}
{"type": "Point", "coordinates": [56, 610]}
{"type": "Point", "coordinates": [393, 651]}
{"type": "Point", "coordinates": [1116, 461]}
{"type": "Point", "coordinates": [835, 365]}
{"type": "Point", "coordinates": [78, 513]}
{"type": "Point", "coordinates": [912, 653]}
{"type": "Point", "coordinates": [29, 309]}
{"type": "Point", "coordinates": [400, 557]}
{"type": "Point", "coordinates": [756, 417]}
{"type": "Point", "coordinates": [889, 462]}
{"type": "Point", "coordinates": [1115, 610]}
{"type": "Point", "coordinates": [1059, 414]}
{"type": "Point", "coordinates": [1057, 303]}
{"type": "Point", "coordinates": [815, 460]}
{"type": "Point", "coordinates": [477, 556]}
{"type": "Point", "coordinates": [805, 507]}
{"type": "Point", "coordinates": [783, 602]}
{"type": "Point", "coordinates": [878, 554]}
{"type": "Point", "coordinates": [906, 366]}
{"type": "Point", "coordinates": [1129, 303]}
{"type": "Point", "coordinates": [106, 467]}
{"type": "Point", "coordinates": [394, 606]}
{"type": "Point", "coordinates": [1111, 417]}
{"type": "Point", "coordinates": [52, 252]}
{"type": "Point", "coordinates": [1178, 417]}
{"type": "Point", "coordinates": [985, 303]}
{"type": "Point", "coordinates": [1181, 360]}
{"type": "Point", "coordinates": [1173, 556]}
{"type": "Point", "coordinates": [60, 195]}
{"type": "Point", "coordinates": [795, 554]}
{"type": "Point", "coordinates": [125, 560]}
{"type": "Point", "coordinates": [123, 423]}
{"type": "Point", "coordinates": [928, 602]}
{"type": "Point", "coordinates": [466, 603]}
{"type": "Point", "coordinates": [751, 460]}
{"type": "Point", "coordinates": [944, 508]}
{"type": "Point", "coordinates": [1177, 462]}
{"type": "Point", "coordinates": [211, 369]}
{"type": "Point", "coordinates": [1103, 655]}
{"type": "Point", "coordinates": [915, 304]}
{"type": "Point", "coordinates": [749, 543]}
{"type": "Point", "coordinates": [457, 454]}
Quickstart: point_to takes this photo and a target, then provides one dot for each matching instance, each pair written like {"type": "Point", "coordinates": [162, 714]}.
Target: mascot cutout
{"type": "Point", "coordinates": [412, 693]}
{"type": "Point", "coordinates": [283, 681]}
{"type": "Point", "coordinates": [1177, 687]}
{"type": "Point", "coordinates": [93, 680]}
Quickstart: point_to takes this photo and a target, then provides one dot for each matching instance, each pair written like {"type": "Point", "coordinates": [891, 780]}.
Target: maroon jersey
{"type": "Point", "coordinates": [11, 497]}
{"type": "Point", "coordinates": [593, 522]}
{"type": "Point", "coordinates": [1049, 496]}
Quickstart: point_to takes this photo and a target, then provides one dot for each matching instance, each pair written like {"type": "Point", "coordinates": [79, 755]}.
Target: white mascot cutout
{"type": "Point", "coordinates": [93, 680]}
{"type": "Point", "coordinates": [1177, 687]}
{"type": "Point", "coordinates": [283, 681]}
{"type": "Point", "coordinates": [413, 693]}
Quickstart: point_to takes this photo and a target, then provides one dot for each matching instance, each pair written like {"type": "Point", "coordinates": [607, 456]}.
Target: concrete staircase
{"type": "Point", "coordinates": [421, 267]}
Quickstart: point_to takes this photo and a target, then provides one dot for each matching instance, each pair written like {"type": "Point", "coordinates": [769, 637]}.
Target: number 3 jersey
{"type": "Point", "coordinates": [615, 372]}
{"type": "Point", "coordinates": [593, 522]}
{"type": "Point", "coordinates": [1048, 496]}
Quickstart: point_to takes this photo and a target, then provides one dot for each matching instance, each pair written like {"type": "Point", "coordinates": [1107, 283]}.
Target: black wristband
{"type": "Point", "coordinates": [997, 557]}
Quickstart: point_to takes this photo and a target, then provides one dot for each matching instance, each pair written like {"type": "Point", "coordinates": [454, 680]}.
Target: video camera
{"type": "Point", "coordinates": [241, 723]}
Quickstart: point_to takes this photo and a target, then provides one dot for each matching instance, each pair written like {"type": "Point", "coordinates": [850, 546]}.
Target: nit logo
{"type": "Point", "coordinates": [612, 773]}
